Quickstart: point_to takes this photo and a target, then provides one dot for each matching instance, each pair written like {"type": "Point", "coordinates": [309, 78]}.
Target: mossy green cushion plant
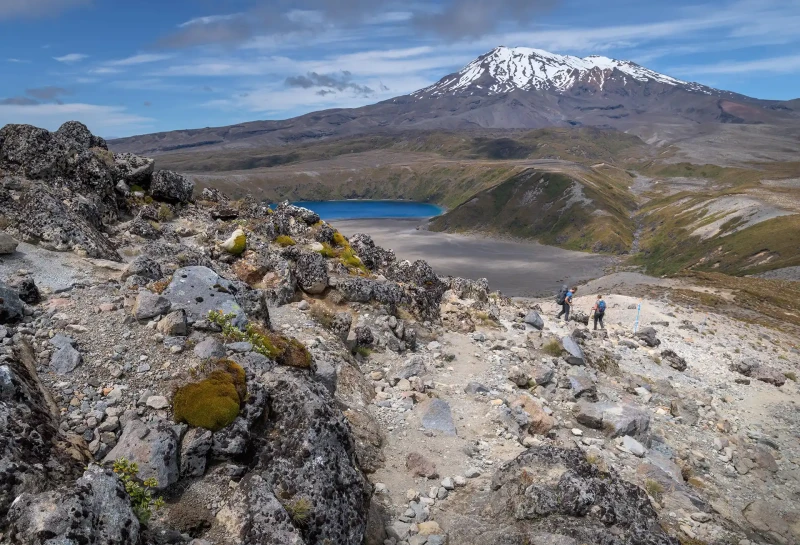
{"type": "Point", "coordinates": [236, 244]}
{"type": "Point", "coordinates": [284, 241]}
{"type": "Point", "coordinates": [214, 402]}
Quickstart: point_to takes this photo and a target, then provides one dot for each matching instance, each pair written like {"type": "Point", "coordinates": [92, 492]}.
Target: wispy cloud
{"type": "Point", "coordinates": [18, 61]}
{"type": "Point", "coordinates": [11, 9]}
{"type": "Point", "coordinates": [71, 58]}
{"type": "Point", "coordinates": [47, 93]}
{"type": "Point", "coordinates": [451, 19]}
{"type": "Point", "coordinates": [142, 58]}
{"type": "Point", "coordinates": [329, 83]}
{"type": "Point", "coordinates": [100, 70]}
{"type": "Point", "coordinates": [209, 19]}
{"type": "Point", "coordinates": [100, 119]}
{"type": "Point", "coordinates": [786, 64]}
{"type": "Point", "coordinates": [18, 101]}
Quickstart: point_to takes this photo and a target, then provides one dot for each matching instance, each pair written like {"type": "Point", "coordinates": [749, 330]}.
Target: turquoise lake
{"type": "Point", "coordinates": [355, 209]}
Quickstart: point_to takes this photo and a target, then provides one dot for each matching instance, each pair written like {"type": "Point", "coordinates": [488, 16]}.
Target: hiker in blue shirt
{"type": "Point", "coordinates": [599, 310]}
{"type": "Point", "coordinates": [566, 304]}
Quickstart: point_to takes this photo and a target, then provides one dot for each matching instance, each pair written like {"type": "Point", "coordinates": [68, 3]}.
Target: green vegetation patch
{"type": "Point", "coordinates": [284, 350]}
{"type": "Point", "coordinates": [590, 213]}
{"type": "Point", "coordinates": [140, 492]}
{"type": "Point", "coordinates": [214, 402]}
{"type": "Point", "coordinates": [284, 241]}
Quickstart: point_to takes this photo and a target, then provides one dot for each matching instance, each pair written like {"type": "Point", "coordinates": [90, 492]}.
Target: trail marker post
{"type": "Point", "coordinates": [636, 323]}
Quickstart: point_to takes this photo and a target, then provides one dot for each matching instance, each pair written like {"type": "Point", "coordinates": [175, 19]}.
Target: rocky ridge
{"type": "Point", "coordinates": [373, 401]}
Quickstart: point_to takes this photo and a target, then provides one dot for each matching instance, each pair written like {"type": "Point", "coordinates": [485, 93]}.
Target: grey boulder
{"type": "Point", "coordinates": [436, 416]}
{"type": "Point", "coordinates": [95, 509]}
{"type": "Point", "coordinates": [533, 319]}
{"type": "Point", "coordinates": [143, 266]}
{"type": "Point", "coordinates": [149, 305]}
{"type": "Point", "coordinates": [199, 290]}
{"type": "Point", "coordinates": [8, 245]}
{"type": "Point", "coordinates": [616, 419]}
{"type": "Point", "coordinates": [194, 449]}
{"type": "Point", "coordinates": [10, 305]}
{"type": "Point", "coordinates": [254, 515]}
{"type": "Point", "coordinates": [574, 351]}
{"type": "Point", "coordinates": [648, 335]}
{"type": "Point", "coordinates": [65, 360]}
{"type": "Point", "coordinates": [154, 446]}
{"type": "Point", "coordinates": [171, 187]}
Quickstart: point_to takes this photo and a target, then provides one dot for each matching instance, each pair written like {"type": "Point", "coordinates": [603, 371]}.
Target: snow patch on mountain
{"type": "Point", "coordinates": [506, 69]}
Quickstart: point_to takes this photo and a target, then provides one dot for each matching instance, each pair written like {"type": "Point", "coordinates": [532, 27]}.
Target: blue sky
{"type": "Point", "coordinates": [127, 67]}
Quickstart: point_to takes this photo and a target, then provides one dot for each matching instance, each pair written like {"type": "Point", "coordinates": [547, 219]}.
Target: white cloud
{"type": "Point", "coordinates": [409, 61]}
{"type": "Point", "coordinates": [142, 58]}
{"type": "Point", "coordinates": [210, 19]}
{"type": "Point", "coordinates": [71, 57]}
{"type": "Point", "coordinates": [105, 70]}
{"type": "Point", "coordinates": [389, 17]}
{"type": "Point", "coordinates": [18, 61]}
{"type": "Point", "coordinates": [787, 64]}
{"type": "Point", "coordinates": [100, 119]}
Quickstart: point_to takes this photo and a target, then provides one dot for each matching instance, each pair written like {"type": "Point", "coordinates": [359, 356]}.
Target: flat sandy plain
{"type": "Point", "coordinates": [517, 269]}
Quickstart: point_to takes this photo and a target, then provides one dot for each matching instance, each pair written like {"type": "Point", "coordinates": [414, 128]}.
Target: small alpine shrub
{"type": "Point", "coordinates": [165, 213]}
{"type": "Point", "coordinates": [299, 509]}
{"type": "Point", "coordinates": [139, 492]}
{"type": "Point", "coordinates": [552, 348]}
{"type": "Point", "coordinates": [327, 251]}
{"type": "Point", "coordinates": [339, 240]}
{"type": "Point", "coordinates": [284, 350]}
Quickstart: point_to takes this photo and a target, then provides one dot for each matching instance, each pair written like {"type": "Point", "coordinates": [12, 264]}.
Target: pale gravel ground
{"type": "Point", "coordinates": [518, 269]}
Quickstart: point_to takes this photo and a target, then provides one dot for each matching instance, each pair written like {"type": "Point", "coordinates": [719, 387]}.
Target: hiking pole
{"type": "Point", "coordinates": [636, 323]}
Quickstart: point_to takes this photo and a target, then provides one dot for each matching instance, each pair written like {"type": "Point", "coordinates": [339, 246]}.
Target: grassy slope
{"type": "Point", "coordinates": [543, 206]}
{"type": "Point", "coordinates": [667, 247]}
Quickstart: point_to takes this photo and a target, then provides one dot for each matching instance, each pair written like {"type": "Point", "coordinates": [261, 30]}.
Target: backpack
{"type": "Point", "coordinates": [601, 307]}
{"type": "Point", "coordinates": [562, 295]}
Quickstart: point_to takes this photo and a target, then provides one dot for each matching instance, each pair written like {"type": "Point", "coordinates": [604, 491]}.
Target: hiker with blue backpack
{"type": "Point", "coordinates": [565, 300]}
{"type": "Point", "coordinates": [599, 310]}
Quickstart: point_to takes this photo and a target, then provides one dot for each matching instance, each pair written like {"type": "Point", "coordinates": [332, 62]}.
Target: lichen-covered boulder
{"type": "Point", "coordinates": [171, 187]}
{"type": "Point", "coordinates": [464, 288]}
{"type": "Point", "coordinates": [553, 495]}
{"type": "Point", "coordinates": [312, 273]}
{"type": "Point", "coordinates": [32, 455]}
{"type": "Point", "coordinates": [95, 509]}
{"type": "Point", "coordinates": [43, 217]}
{"type": "Point", "coordinates": [143, 266]}
{"type": "Point", "coordinates": [199, 290]}
{"type": "Point", "coordinates": [372, 256]}
{"type": "Point", "coordinates": [310, 455]}
{"type": "Point", "coordinates": [79, 135]}
{"type": "Point", "coordinates": [134, 170]}
{"type": "Point", "coordinates": [254, 515]}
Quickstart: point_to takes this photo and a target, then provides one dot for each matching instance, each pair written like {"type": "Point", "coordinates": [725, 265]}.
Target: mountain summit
{"type": "Point", "coordinates": [507, 88]}
{"type": "Point", "coordinates": [507, 69]}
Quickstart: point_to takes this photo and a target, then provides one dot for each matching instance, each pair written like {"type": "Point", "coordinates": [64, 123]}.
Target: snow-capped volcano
{"type": "Point", "coordinates": [506, 69]}
{"type": "Point", "coordinates": [508, 88]}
